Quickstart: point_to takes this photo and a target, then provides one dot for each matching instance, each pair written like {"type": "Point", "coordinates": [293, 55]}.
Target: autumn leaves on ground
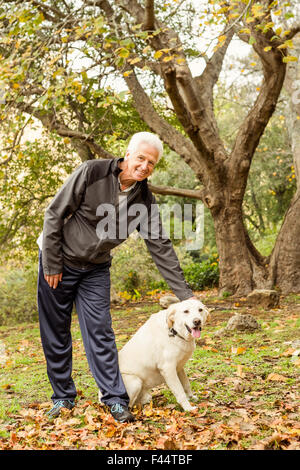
{"type": "Point", "coordinates": [246, 384]}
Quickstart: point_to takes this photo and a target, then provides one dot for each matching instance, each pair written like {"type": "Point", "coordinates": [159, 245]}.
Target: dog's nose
{"type": "Point", "coordinates": [197, 322]}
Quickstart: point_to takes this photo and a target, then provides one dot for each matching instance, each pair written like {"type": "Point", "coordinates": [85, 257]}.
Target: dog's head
{"type": "Point", "coordinates": [187, 318]}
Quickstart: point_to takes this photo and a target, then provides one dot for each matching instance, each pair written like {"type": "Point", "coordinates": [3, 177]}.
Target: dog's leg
{"type": "Point", "coordinates": [175, 385]}
{"type": "Point", "coordinates": [186, 384]}
{"type": "Point", "coordinates": [99, 397]}
{"type": "Point", "coordinates": [144, 397]}
{"type": "Point", "coordinates": [133, 385]}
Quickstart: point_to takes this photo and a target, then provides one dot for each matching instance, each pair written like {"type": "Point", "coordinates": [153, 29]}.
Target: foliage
{"type": "Point", "coordinates": [30, 181]}
{"type": "Point", "coordinates": [18, 296]}
{"type": "Point", "coordinates": [200, 275]}
{"type": "Point", "coordinates": [271, 182]}
{"type": "Point", "coordinates": [203, 275]}
{"type": "Point", "coordinates": [95, 72]}
{"type": "Point", "coordinates": [133, 269]}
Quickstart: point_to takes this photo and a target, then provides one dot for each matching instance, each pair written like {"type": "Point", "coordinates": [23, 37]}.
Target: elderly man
{"type": "Point", "coordinates": [74, 262]}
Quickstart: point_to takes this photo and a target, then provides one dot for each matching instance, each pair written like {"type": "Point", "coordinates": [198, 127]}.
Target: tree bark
{"type": "Point", "coordinates": [285, 258]}
{"type": "Point", "coordinates": [242, 268]}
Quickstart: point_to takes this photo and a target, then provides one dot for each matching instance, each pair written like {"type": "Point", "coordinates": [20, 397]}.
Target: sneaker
{"type": "Point", "coordinates": [121, 413]}
{"type": "Point", "coordinates": [58, 405]}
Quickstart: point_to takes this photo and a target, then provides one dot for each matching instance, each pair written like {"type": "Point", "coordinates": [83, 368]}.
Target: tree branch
{"type": "Point", "coordinates": [167, 191]}
{"type": "Point", "coordinates": [83, 143]}
{"type": "Point", "coordinates": [213, 68]}
{"type": "Point", "coordinates": [102, 4]}
{"type": "Point", "coordinates": [174, 139]}
{"type": "Point", "coordinates": [293, 32]}
{"type": "Point", "coordinates": [149, 16]}
{"type": "Point", "coordinates": [254, 124]}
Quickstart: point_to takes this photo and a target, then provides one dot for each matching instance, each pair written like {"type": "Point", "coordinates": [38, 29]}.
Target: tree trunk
{"type": "Point", "coordinates": [285, 258]}
{"type": "Point", "coordinates": [242, 268]}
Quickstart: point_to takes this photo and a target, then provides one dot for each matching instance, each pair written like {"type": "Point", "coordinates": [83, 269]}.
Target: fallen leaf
{"type": "Point", "coordinates": [111, 431]}
{"type": "Point", "coordinates": [240, 372]}
{"type": "Point", "coordinates": [166, 443]}
{"type": "Point", "coordinates": [237, 350]}
{"type": "Point", "coordinates": [73, 422]}
{"type": "Point", "coordinates": [6, 386]}
{"type": "Point", "coordinates": [204, 436]}
{"type": "Point", "coordinates": [13, 437]}
{"type": "Point", "coordinates": [276, 377]}
{"type": "Point", "coordinates": [208, 348]}
{"type": "Point", "coordinates": [288, 352]}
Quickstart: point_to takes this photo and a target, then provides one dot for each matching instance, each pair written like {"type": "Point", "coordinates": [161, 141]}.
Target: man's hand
{"type": "Point", "coordinates": [53, 279]}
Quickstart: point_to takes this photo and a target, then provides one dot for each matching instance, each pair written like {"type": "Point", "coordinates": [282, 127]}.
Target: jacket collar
{"type": "Point", "coordinates": [116, 170]}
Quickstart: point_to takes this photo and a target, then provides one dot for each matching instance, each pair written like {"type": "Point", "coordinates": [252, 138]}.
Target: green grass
{"type": "Point", "coordinates": [214, 369]}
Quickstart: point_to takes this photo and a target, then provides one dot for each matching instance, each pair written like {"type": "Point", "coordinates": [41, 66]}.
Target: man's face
{"type": "Point", "coordinates": [140, 163]}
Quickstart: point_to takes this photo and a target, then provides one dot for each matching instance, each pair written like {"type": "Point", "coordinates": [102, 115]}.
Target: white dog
{"type": "Point", "coordinates": [158, 351]}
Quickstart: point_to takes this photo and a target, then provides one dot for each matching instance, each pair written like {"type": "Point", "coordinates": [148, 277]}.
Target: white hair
{"type": "Point", "coordinates": [146, 138]}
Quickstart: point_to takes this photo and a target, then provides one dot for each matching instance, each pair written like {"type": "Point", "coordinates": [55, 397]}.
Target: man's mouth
{"type": "Point", "coordinates": [195, 332]}
{"type": "Point", "coordinates": [141, 172]}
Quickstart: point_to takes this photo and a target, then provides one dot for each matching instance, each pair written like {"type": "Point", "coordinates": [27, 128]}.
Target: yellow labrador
{"type": "Point", "coordinates": [158, 351]}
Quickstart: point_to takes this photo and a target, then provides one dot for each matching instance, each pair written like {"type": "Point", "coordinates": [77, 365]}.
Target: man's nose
{"type": "Point", "coordinates": [145, 166]}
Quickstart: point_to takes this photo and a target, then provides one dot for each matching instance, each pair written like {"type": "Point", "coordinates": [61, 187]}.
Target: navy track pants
{"type": "Point", "coordinates": [90, 290]}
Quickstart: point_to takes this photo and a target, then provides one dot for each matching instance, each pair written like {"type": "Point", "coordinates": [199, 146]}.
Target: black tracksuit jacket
{"type": "Point", "coordinates": [70, 234]}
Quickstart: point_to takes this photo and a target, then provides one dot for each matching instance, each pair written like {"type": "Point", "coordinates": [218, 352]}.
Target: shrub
{"type": "Point", "coordinates": [203, 274]}
{"type": "Point", "coordinates": [199, 275]}
{"type": "Point", "coordinates": [134, 270]}
{"type": "Point", "coordinates": [132, 282]}
{"type": "Point", "coordinates": [18, 295]}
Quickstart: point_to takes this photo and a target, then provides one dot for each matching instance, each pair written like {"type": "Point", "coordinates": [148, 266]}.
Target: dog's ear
{"type": "Point", "coordinates": [210, 310]}
{"type": "Point", "coordinates": [170, 316]}
{"type": "Point", "coordinates": [208, 313]}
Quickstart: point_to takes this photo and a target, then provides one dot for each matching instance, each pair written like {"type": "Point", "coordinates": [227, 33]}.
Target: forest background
{"type": "Point", "coordinates": [218, 81]}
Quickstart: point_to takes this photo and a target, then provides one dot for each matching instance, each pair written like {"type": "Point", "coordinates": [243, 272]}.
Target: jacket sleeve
{"type": "Point", "coordinates": [66, 201]}
{"type": "Point", "coordinates": [163, 254]}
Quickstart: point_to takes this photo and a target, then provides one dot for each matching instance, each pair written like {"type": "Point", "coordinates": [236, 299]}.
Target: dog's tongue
{"type": "Point", "coordinates": [196, 333]}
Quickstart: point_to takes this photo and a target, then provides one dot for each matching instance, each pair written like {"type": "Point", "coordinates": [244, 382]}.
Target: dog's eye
{"type": "Point", "coordinates": [200, 309]}
{"type": "Point", "coordinates": [186, 311]}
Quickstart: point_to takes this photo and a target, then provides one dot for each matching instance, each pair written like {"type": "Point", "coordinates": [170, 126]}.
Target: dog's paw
{"type": "Point", "coordinates": [190, 408]}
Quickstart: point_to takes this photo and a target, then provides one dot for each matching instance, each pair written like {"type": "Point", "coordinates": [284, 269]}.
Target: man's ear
{"type": "Point", "coordinates": [170, 316]}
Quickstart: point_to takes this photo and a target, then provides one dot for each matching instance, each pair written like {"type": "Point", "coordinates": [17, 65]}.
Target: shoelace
{"type": "Point", "coordinates": [58, 404]}
{"type": "Point", "coordinates": [117, 408]}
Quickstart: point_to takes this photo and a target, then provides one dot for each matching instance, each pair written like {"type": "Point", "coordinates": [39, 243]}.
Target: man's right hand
{"type": "Point", "coordinates": [53, 279]}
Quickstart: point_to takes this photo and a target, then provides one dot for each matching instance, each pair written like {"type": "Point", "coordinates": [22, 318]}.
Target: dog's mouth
{"type": "Point", "coordinates": [195, 332]}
